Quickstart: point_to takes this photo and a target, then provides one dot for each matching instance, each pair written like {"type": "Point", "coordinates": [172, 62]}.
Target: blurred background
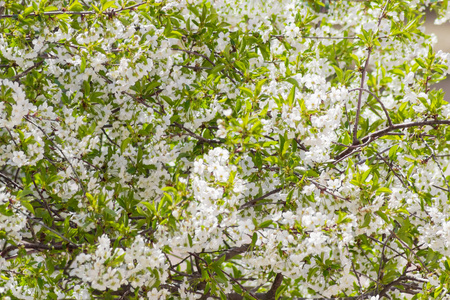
{"type": "Point", "coordinates": [443, 35]}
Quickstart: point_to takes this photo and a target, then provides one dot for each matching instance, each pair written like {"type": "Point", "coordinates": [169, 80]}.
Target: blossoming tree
{"type": "Point", "coordinates": [225, 149]}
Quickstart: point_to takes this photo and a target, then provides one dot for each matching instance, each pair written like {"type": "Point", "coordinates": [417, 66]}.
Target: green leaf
{"type": "Point", "coordinates": [367, 219]}
{"type": "Point", "coordinates": [247, 91]}
{"type": "Point", "coordinates": [258, 160]}
{"type": "Point", "coordinates": [50, 8]}
{"type": "Point", "coordinates": [27, 205]}
{"type": "Point", "coordinates": [92, 200]}
{"type": "Point", "coordinates": [339, 73]}
{"type": "Point", "coordinates": [175, 34]}
{"type": "Point", "coordinates": [220, 276]}
{"type": "Point", "coordinates": [240, 65]}
{"type": "Point", "coordinates": [365, 175]}
{"type": "Point", "coordinates": [291, 97]}
{"type": "Point", "coordinates": [190, 240]}
{"type": "Point", "coordinates": [293, 82]}
{"type": "Point", "coordinates": [150, 206]}
{"type": "Point", "coordinates": [28, 11]}
{"type": "Point", "coordinates": [109, 4]}
{"type": "Point", "coordinates": [393, 152]}
{"type": "Point", "coordinates": [265, 224]}
{"type": "Point", "coordinates": [83, 64]}
{"type": "Point", "coordinates": [398, 72]}
{"type": "Point", "coordinates": [383, 216]}
{"type": "Point", "coordinates": [125, 144]}
{"type": "Point", "coordinates": [75, 6]}
{"type": "Point", "coordinates": [217, 69]}
{"type": "Point", "coordinates": [421, 62]}
{"type": "Point", "coordinates": [383, 190]}
{"type": "Point", "coordinates": [254, 239]}
{"type": "Point", "coordinates": [280, 291]}
{"type": "Point", "coordinates": [95, 8]}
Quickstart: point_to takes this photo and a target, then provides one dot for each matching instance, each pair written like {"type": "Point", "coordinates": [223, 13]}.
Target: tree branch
{"type": "Point", "coordinates": [195, 53]}
{"type": "Point", "coordinates": [379, 101]}
{"type": "Point", "coordinates": [37, 246]}
{"type": "Point", "coordinates": [232, 252]}
{"type": "Point", "coordinates": [382, 132]}
{"type": "Point", "coordinates": [253, 201]}
{"type": "Point", "coordinates": [196, 136]}
{"type": "Point", "coordinates": [80, 13]}
{"type": "Point", "coordinates": [270, 295]}
{"type": "Point", "coordinates": [358, 107]}
{"type": "Point", "coordinates": [34, 66]}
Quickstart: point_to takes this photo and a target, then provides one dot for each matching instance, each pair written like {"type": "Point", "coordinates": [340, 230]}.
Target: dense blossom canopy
{"type": "Point", "coordinates": [223, 149]}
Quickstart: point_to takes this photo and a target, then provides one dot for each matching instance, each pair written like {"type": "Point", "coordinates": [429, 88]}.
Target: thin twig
{"type": "Point", "coordinates": [232, 252]}
{"type": "Point", "coordinates": [18, 76]}
{"type": "Point", "coordinates": [363, 76]}
{"type": "Point", "coordinates": [437, 163]}
{"type": "Point", "coordinates": [411, 250]}
{"type": "Point", "coordinates": [194, 53]}
{"type": "Point", "coordinates": [358, 107]}
{"type": "Point", "coordinates": [321, 37]}
{"type": "Point", "coordinates": [382, 261]}
{"type": "Point", "coordinates": [37, 246]}
{"type": "Point", "coordinates": [393, 171]}
{"type": "Point", "coordinates": [254, 201]}
{"type": "Point", "coordinates": [195, 68]}
{"type": "Point", "coordinates": [80, 13]}
{"type": "Point", "coordinates": [198, 137]}
{"type": "Point", "coordinates": [379, 101]}
{"type": "Point", "coordinates": [56, 146]}
{"type": "Point", "coordinates": [385, 131]}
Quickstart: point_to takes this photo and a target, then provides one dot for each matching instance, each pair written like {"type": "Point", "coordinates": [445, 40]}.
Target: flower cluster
{"type": "Point", "coordinates": [187, 149]}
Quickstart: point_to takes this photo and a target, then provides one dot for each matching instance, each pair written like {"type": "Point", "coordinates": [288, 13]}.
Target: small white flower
{"type": "Point", "coordinates": [19, 158]}
{"type": "Point", "coordinates": [409, 78]}
{"type": "Point", "coordinates": [334, 184]}
{"type": "Point", "coordinates": [227, 112]}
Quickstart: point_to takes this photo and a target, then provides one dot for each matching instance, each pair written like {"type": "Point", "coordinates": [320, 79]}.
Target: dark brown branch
{"type": "Point", "coordinates": [232, 252]}
{"type": "Point", "coordinates": [358, 107]}
{"type": "Point", "coordinates": [196, 136]}
{"type": "Point", "coordinates": [373, 156]}
{"type": "Point", "coordinates": [44, 201]}
{"type": "Point", "coordinates": [80, 13]}
{"type": "Point", "coordinates": [109, 139]}
{"type": "Point", "coordinates": [205, 57]}
{"type": "Point", "coordinates": [18, 76]}
{"type": "Point", "coordinates": [393, 171]}
{"type": "Point", "coordinates": [196, 54]}
{"type": "Point", "coordinates": [382, 132]}
{"type": "Point", "coordinates": [198, 259]}
{"type": "Point", "coordinates": [62, 153]}
{"type": "Point", "coordinates": [411, 250]}
{"type": "Point", "coordinates": [386, 245]}
{"type": "Point", "coordinates": [379, 101]}
{"type": "Point", "coordinates": [61, 236]}
{"type": "Point", "coordinates": [38, 246]}
{"type": "Point", "coordinates": [363, 77]}
{"type": "Point", "coordinates": [325, 190]}
{"type": "Point", "coordinates": [10, 181]}
{"type": "Point", "coordinates": [360, 297]}
{"type": "Point", "coordinates": [383, 261]}
{"type": "Point", "coordinates": [52, 13]}
{"type": "Point", "coordinates": [254, 201]}
{"type": "Point", "coordinates": [323, 37]}
{"type": "Point", "coordinates": [437, 163]}
{"type": "Point", "coordinates": [270, 295]}
{"type": "Point", "coordinates": [195, 68]}
{"type": "Point", "coordinates": [441, 188]}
